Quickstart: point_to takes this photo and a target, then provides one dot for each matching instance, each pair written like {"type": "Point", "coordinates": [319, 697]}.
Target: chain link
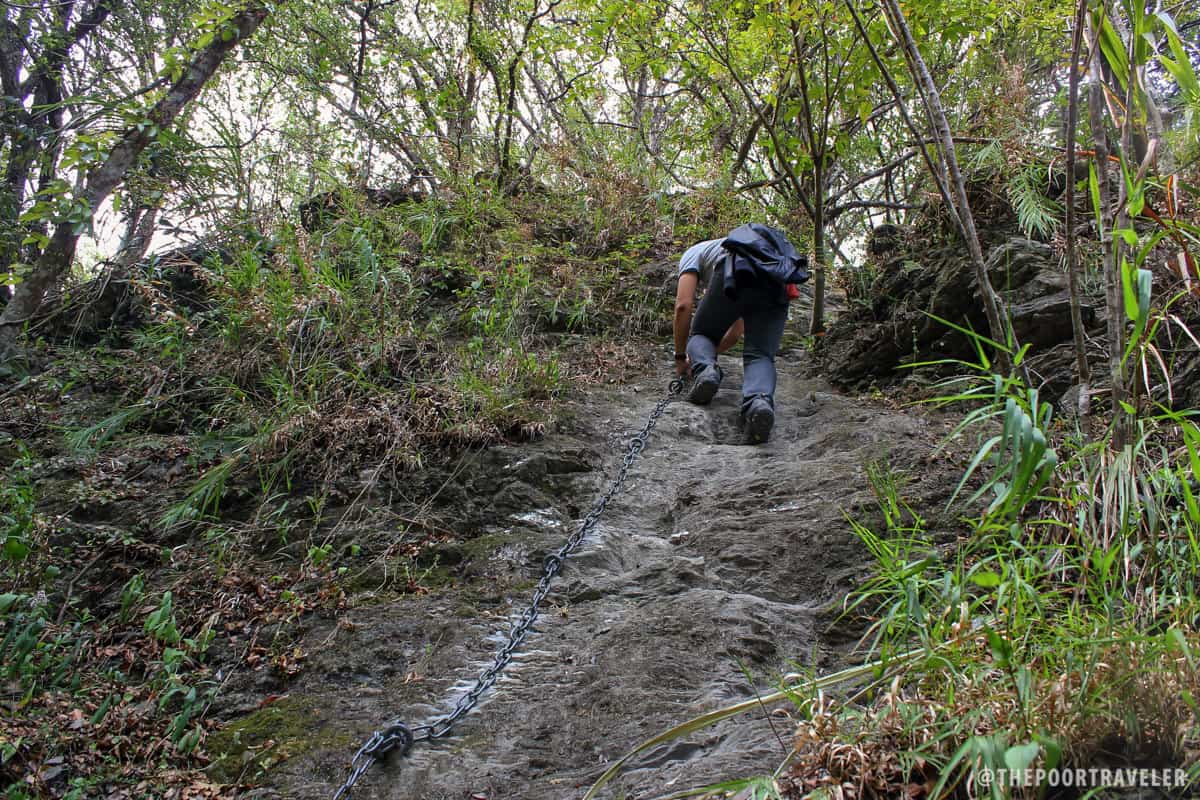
{"type": "Point", "coordinates": [396, 735]}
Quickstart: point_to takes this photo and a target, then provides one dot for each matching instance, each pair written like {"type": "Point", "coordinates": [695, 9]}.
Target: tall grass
{"type": "Point", "coordinates": [1062, 620]}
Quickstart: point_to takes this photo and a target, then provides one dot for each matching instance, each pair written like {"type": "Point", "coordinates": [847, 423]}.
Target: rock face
{"type": "Point", "coordinates": [708, 577]}
{"type": "Point", "coordinates": [918, 286]}
{"type": "Point", "coordinates": [1034, 289]}
{"type": "Point", "coordinates": [125, 299]}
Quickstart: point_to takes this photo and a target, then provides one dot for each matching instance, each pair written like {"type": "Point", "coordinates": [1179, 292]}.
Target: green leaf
{"type": "Point", "coordinates": [864, 111]}
{"type": "Point", "coordinates": [1129, 289]}
{"type": "Point", "coordinates": [1001, 649]}
{"type": "Point", "coordinates": [986, 580]}
{"type": "Point", "coordinates": [102, 711]}
{"type": "Point", "coordinates": [1145, 281]}
{"type": "Point", "coordinates": [15, 549]}
{"type": "Point", "coordinates": [1114, 51]}
{"type": "Point", "coordinates": [38, 239]}
{"type": "Point", "coordinates": [1180, 67]}
{"type": "Point", "coordinates": [1191, 437]}
{"type": "Point", "coordinates": [1035, 212]}
{"type": "Point", "coordinates": [1189, 500]}
{"type": "Point", "coordinates": [1018, 757]}
{"type": "Point", "coordinates": [1176, 637]}
{"type": "Point", "coordinates": [1053, 751]}
{"type": "Point", "coordinates": [1137, 201]}
{"type": "Point", "coordinates": [1143, 252]}
{"type": "Point", "coordinates": [1094, 187]}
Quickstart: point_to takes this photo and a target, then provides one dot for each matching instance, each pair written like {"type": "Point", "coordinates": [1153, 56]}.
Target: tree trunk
{"type": "Point", "coordinates": [505, 172]}
{"type": "Point", "coordinates": [1112, 280]}
{"type": "Point", "coordinates": [35, 136]}
{"type": "Point", "coordinates": [941, 127]}
{"type": "Point", "coordinates": [935, 170]}
{"type": "Point", "coordinates": [817, 326]}
{"type": "Point", "coordinates": [1083, 372]}
{"type": "Point", "coordinates": [57, 256]}
{"type": "Point", "coordinates": [136, 240]}
{"type": "Point", "coordinates": [1122, 423]}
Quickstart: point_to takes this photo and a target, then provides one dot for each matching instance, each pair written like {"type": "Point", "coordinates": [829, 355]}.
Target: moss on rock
{"type": "Point", "coordinates": [247, 748]}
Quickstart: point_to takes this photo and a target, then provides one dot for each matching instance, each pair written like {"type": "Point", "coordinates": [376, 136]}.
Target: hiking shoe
{"type": "Point", "coordinates": [760, 418]}
{"type": "Point", "coordinates": [705, 385]}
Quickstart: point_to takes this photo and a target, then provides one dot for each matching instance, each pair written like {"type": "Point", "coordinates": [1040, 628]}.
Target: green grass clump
{"type": "Point", "coordinates": [1058, 630]}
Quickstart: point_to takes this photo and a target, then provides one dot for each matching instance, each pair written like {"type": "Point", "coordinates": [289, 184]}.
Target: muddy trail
{"type": "Point", "coordinates": [716, 571]}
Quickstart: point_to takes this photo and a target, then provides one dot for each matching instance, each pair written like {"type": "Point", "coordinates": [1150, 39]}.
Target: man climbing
{"type": "Point", "coordinates": [750, 275]}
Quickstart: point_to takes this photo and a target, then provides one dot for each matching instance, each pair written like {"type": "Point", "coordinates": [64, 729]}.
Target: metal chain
{"type": "Point", "coordinates": [398, 736]}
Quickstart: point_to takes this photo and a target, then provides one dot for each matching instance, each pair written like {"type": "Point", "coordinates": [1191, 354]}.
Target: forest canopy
{"type": "Point", "coordinates": [189, 119]}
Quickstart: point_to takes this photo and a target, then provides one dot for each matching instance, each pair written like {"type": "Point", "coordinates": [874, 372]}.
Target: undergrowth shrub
{"type": "Point", "coordinates": [1059, 630]}
{"type": "Point", "coordinates": [389, 336]}
{"type": "Point", "coordinates": [17, 519]}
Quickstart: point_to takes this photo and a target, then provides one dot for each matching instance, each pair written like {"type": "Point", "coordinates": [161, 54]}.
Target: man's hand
{"type": "Point", "coordinates": [682, 367]}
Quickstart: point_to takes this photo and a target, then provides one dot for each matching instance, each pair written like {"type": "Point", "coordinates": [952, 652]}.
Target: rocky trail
{"type": "Point", "coordinates": [718, 561]}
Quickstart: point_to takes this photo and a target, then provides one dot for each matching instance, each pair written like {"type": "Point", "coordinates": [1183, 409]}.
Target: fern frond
{"type": "Point", "coordinates": [1036, 213]}
{"type": "Point", "coordinates": [989, 158]}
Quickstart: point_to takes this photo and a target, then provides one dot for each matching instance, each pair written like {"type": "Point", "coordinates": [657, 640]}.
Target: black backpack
{"type": "Point", "coordinates": [756, 251]}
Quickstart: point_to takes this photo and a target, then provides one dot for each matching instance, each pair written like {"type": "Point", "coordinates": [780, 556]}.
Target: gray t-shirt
{"type": "Point", "coordinates": [702, 258]}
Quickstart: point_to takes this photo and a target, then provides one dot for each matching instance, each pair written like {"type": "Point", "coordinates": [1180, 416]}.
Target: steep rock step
{"type": "Point", "coordinates": [713, 564]}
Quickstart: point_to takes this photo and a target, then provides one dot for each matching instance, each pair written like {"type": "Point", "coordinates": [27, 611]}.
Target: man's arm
{"type": "Point", "coordinates": [685, 300]}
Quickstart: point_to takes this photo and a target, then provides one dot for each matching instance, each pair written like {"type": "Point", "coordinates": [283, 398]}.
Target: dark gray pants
{"type": "Point", "coordinates": [764, 309]}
